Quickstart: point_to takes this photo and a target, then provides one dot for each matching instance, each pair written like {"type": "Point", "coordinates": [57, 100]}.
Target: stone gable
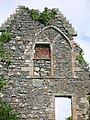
{"type": "Point", "coordinates": [43, 65]}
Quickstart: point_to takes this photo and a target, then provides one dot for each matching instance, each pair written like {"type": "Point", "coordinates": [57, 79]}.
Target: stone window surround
{"type": "Point", "coordinates": [44, 45]}
{"type": "Point", "coordinates": [73, 104]}
{"type": "Point", "coordinates": [48, 43]}
{"type": "Point", "coordinates": [70, 42]}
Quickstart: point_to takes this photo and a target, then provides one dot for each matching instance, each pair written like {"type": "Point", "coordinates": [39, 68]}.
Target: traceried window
{"type": "Point", "coordinates": [42, 60]}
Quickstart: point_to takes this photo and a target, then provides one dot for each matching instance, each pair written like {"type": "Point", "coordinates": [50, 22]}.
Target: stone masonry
{"type": "Point", "coordinates": [43, 65]}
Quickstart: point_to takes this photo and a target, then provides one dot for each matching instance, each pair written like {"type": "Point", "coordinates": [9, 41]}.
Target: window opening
{"type": "Point", "coordinates": [42, 51]}
{"type": "Point", "coordinates": [42, 60]}
{"type": "Point", "coordinates": [62, 108]}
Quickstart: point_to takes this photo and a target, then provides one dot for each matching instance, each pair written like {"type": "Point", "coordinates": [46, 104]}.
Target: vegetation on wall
{"type": "Point", "coordinates": [1, 50]}
{"type": "Point", "coordinates": [2, 82]}
{"type": "Point", "coordinates": [80, 58]}
{"type": "Point", "coordinates": [43, 17]}
{"type": "Point", "coordinates": [5, 108]}
{"type": "Point", "coordinates": [88, 98]}
{"type": "Point", "coordinates": [4, 56]}
{"type": "Point", "coordinates": [5, 111]}
{"type": "Point", "coordinates": [4, 37]}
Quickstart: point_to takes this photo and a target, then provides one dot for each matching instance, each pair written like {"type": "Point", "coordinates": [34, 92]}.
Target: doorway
{"type": "Point", "coordinates": [63, 107]}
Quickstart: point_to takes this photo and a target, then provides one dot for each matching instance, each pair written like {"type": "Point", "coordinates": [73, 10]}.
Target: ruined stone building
{"type": "Point", "coordinates": [43, 66]}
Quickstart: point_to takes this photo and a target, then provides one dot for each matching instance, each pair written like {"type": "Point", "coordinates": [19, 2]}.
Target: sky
{"type": "Point", "coordinates": [76, 11]}
{"type": "Point", "coordinates": [62, 105]}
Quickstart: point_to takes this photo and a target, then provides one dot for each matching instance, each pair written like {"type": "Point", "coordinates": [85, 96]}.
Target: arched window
{"type": "Point", "coordinates": [42, 60]}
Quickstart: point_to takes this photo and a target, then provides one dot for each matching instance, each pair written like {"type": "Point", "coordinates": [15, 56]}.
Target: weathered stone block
{"type": "Point", "coordinates": [25, 69]}
{"type": "Point", "coordinates": [37, 82]}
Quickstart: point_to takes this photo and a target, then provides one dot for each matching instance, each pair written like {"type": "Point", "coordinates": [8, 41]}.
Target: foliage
{"type": "Point", "coordinates": [88, 98]}
{"type": "Point", "coordinates": [80, 58]}
{"type": "Point", "coordinates": [34, 14]}
{"type": "Point", "coordinates": [69, 118]}
{"type": "Point", "coordinates": [1, 50]}
{"type": "Point", "coordinates": [5, 112]}
{"type": "Point", "coordinates": [5, 108]}
{"type": "Point", "coordinates": [5, 37]}
{"type": "Point", "coordinates": [5, 56]}
{"type": "Point", "coordinates": [2, 82]}
{"type": "Point", "coordinates": [8, 57]}
{"type": "Point", "coordinates": [43, 17]}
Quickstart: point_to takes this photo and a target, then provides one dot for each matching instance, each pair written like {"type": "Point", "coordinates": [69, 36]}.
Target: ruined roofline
{"type": "Point", "coordinates": [60, 17]}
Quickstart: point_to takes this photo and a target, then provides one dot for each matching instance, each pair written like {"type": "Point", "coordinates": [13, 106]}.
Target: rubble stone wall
{"type": "Point", "coordinates": [31, 94]}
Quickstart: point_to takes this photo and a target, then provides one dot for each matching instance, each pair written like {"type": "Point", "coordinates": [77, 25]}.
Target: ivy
{"type": "Point", "coordinates": [5, 111]}
{"type": "Point", "coordinates": [34, 14]}
{"type": "Point", "coordinates": [80, 58]}
{"type": "Point", "coordinates": [88, 98]}
{"type": "Point", "coordinates": [43, 17]}
{"type": "Point", "coordinates": [8, 57]}
{"type": "Point", "coordinates": [4, 37]}
{"type": "Point", "coordinates": [1, 50]}
{"type": "Point", "coordinates": [2, 82]}
{"type": "Point", "coordinates": [4, 56]}
{"type": "Point", "coordinates": [5, 108]}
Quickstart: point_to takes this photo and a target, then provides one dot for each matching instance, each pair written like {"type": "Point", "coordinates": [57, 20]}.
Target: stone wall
{"type": "Point", "coordinates": [42, 68]}
{"type": "Point", "coordinates": [31, 94]}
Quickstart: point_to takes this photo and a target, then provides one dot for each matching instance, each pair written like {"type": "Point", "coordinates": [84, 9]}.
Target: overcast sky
{"type": "Point", "coordinates": [76, 11]}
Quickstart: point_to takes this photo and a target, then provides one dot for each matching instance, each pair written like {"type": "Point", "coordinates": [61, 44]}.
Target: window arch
{"type": "Point", "coordinates": [42, 60]}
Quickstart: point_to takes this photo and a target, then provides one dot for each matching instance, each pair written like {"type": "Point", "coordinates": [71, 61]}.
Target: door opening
{"type": "Point", "coordinates": [62, 107]}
